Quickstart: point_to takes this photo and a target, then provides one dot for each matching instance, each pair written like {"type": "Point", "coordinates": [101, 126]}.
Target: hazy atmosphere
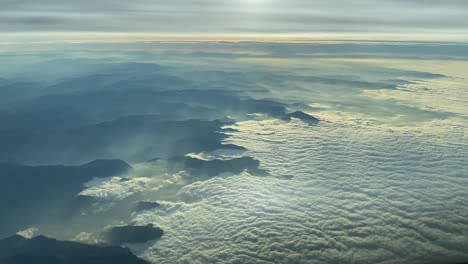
{"type": "Point", "coordinates": [236, 16]}
{"type": "Point", "coordinates": [233, 131]}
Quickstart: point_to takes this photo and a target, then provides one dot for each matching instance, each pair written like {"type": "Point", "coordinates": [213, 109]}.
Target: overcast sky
{"type": "Point", "coordinates": [236, 16]}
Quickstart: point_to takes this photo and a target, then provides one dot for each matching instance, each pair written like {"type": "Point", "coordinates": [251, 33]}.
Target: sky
{"type": "Point", "coordinates": [418, 18]}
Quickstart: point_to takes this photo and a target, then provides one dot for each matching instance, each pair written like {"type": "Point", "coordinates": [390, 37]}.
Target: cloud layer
{"type": "Point", "coordinates": [222, 165]}
{"type": "Point", "coordinates": [358, 195]}
{"type": "Point", "coordinates": [235, 16]}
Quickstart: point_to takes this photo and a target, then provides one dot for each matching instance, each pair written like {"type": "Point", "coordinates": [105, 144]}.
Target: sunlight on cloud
{"type": "Point", "coordinates": [340, 206]}
{"type": "Point", "coordinates": [248, 152]}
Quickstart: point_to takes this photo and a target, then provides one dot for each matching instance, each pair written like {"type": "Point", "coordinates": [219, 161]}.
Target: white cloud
{"type": "Point", "coordinates": [367, 197]}
{"type": "Point", "coordinates": [29, 233]}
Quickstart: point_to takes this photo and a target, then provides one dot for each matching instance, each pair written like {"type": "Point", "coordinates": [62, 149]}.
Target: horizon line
{"type": "Point", "coordinates": [142, 37]}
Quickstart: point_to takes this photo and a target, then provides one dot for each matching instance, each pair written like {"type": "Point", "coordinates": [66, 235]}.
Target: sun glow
{"type": "Point", "coordinates": [253, 2]}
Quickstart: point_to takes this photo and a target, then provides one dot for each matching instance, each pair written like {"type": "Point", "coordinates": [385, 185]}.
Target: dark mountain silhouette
{"type": "Point", "coordinates": [205, 169]}
{"type": "Point", "coordinates": [302, 116]}
{"type": "Point", "coordinates": [132, 138]}
{"type": "Point", "coordinates": [136, 107]}
{"type": "Point", "coordinates": [43, 250]}
{"type": "Point", "coordinates": [35, 194]}
{"type": "Point", "coordinates": [145, 205]}
{"type": "Point", "coordinates": [132, 234]}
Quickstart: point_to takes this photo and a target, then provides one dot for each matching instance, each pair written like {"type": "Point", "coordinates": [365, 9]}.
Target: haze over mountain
{"type": "Point", "coordinates": [247, 131]}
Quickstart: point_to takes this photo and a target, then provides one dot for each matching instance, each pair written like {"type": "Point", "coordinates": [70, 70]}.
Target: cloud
{"type": "Point", "coordinates": [237, 17]}
{"type": "Point", "coordinates": [116, 188]}
{"type": "Point", "coordinates": [396, 203]}
{"type": "Point", "coordinates": [160, 179]}
{"type": "Point", "coordinates": [31, 20]}
{"type": "Point", "coordinates": [28, 233]}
